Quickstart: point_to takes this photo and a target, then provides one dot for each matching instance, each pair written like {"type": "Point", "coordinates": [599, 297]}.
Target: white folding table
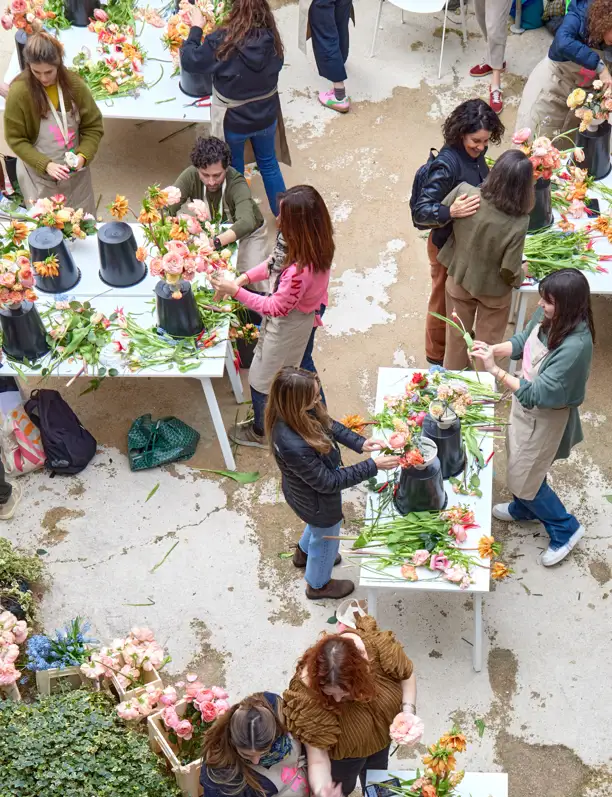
{"type": "Point", "coordinates": [164, 102]}
{"type": "Point", "coordinates": [391, 381]}
{"type": "Point", "coordinates": [474, 784]}
{"type": "Point", "coordinates": [140, 301]}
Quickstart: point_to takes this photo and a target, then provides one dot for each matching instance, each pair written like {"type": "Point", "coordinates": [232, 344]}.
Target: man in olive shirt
{"type": "Point", "coordinates": [211, 178]}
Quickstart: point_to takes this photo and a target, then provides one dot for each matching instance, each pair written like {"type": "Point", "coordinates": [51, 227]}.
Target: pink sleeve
{"type": "Point", "coordinates": [258, 273]}
{"type": "Point", "coordinates": [290, 290]}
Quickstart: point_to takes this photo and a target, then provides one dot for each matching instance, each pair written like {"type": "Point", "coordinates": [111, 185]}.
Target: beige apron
{"type": "Point", "coordinates": [289, 775]}
{"type": "Point", "coordinates": [533, 436]}
{"type": "Point", "coordinates": [282, 341]}
{"type": "Point", "coordinates": [58, 134]}
{"type": "Point", "coordinates": [304, 24]}
{"type": "Point", "coordinates": [219, 107]}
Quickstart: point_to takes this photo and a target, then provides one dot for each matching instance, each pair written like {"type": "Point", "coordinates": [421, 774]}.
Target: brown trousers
{"type": "Point", "coordinates": [487, 316]}
{"type": "Point", "coordinates": [435, 330]}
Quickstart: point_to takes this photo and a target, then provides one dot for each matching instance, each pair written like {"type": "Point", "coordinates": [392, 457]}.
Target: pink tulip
{"type": "Point", "coordinates": [521, 136]}
{"type": "Point", "coordinates": [100, 15]}
{"type": "Point", "coordinates": [7, 21]}
{"type": "Point", "coordinates": [459, 532]}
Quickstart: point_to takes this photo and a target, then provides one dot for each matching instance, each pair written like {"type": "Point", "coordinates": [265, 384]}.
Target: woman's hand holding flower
{"type": "Point", "coordinates": [406, 729]}
{"type": "Point", "coordinates": [374, 445]}
{"type": "Point", "coordinates": [485, 353]}
{"type": "Point", "coordinates": [223, 286]}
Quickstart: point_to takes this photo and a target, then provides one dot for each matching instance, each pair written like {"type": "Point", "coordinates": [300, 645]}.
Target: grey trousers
{"type": "Point", "coordinates": [492, 16]}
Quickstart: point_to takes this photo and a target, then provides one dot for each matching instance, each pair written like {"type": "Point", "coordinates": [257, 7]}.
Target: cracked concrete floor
{"type": "Point", "coordinates": [223, 602]}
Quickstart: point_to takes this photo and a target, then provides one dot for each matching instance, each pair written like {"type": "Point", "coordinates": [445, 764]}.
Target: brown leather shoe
{"type": "Point", "coordinates": [336, 589]}
{"type": "Point", "coordinates": [300, 558]}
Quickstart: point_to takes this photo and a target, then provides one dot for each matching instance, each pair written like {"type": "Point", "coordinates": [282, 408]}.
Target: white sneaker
{"type": "Point", "coordinates": [553, 557]}
{"type": "Point", "coordinates": [502, 512]}
{"type": "Point", "coordinates": [8, 510]}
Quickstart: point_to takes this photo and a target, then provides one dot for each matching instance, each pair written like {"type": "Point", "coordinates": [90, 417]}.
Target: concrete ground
{"type": "Point", "coordinates": [223, 602]}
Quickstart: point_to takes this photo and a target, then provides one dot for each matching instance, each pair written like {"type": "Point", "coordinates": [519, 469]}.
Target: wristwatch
{"type": "Point", "coordinates": [217, 243]}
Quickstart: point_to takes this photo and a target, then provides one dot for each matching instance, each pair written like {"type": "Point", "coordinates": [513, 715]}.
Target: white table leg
{"type": "Point", "coordinates": [477, 596]}
{"type": "Point", "coordinates": [520, 323]}
{"type": "Point", "coordinates": [217, 420]}
{"type": "Point", "coordinates": [372, 602]}
{"type": "Point", "coordinates": [513, 304]}
{"type": "Point", "coordinates": [234, 375]}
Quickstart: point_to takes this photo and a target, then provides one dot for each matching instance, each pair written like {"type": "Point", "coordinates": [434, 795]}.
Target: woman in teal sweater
{"type": "Point", "coordinates": [556, 348]}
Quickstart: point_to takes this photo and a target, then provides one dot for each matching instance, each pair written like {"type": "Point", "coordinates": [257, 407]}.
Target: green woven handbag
{"type": "Point", "coordinates": [152, 443]}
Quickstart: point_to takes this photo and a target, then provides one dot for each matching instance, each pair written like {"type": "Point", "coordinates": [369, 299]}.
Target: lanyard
{"type": "Point", "coordinates": [63, 122]}
{"type": "Point", "coordinates": [220, 209]}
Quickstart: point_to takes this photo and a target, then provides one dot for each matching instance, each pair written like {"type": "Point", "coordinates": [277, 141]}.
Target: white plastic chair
{"type": "Point", "coordinates": [422, 7]}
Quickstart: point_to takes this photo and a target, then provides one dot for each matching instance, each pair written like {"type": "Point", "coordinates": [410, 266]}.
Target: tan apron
{"type": "Point", "coordinates": [533, 436]}
{"type": "Point", "coordinates": [219, 107]}
{"type": "Point", "coordinates": [304, 24]}
{"type": "Point", "coordinates": [58, 134]}
{"type": "Point", "coordinates": [282, 341]}
{"type": "Point", "coordinates": [289, 775]}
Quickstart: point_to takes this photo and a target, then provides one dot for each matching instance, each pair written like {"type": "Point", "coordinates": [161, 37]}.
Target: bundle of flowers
{"type": "Point", "coordinates": [127, 661]}
{"type": "Point", "coordinates": [591, 107]}
{"type": "Point", "coordinates": [427, 546]}
{"type": "Point", "coordinates": [179, 24]}
{"type": "Point", "coordinates": [199, 708]}
{"type": "Point", "coordinates": [13, 632]}
{"type": "Point", "coordinates": [27, 15]}
{"type": "Point", "coordinates": [570, 194]}
{"type": "Point", "coordinates": [248, 333]}
{"type": "Point", "coordinates": [70, 647]}
{"type": "Point", "coordinates": [142, 704]}
{"type": "Point", "coordinates": [54, 212]}
{"type": "Point", "coordinates": [551, 250]}
{"type": "Point", "coordinates": [544, 156]}
{"type": "Point", "coordinates": [16, 278]}
{"type": "Point", "coordinates": [118, 71]}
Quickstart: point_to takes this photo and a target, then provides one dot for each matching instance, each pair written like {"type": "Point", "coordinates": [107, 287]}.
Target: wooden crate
{"type": "Point", "coordinates": [188, 775]}
{"type": "Point", "coordinates": [49, 682]}
{"type": "Point", "coordinates": [11, 692]}
{"type": "Point", "coordinates": [149, 677]}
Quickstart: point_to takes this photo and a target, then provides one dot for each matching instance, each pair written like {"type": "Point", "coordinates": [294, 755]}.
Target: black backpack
{"type": "Point", "coordinates": [420, 178]}
{"type": "Point", "coordinates": [68, 445]}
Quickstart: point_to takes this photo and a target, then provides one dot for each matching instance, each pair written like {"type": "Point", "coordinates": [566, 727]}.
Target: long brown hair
{"type": "Point", "coordinates": [569, 290]}
{"type": "Point", "coordinates": [41, 48]}
{"type": "Point", "coordinates": [251, 724]}
{"type": "Point", "coordinates": [337, 661]}
{"type": "Point", "coordinates": [294, 398]}
{"type": "Point", "coordinates": [509, 185]}
{"type": "Point", "coordinates": [306, 226]}
{"type": "Point", "coordinates": [245, 17]}
{"type": "Point", "coordinates": [599, 21]}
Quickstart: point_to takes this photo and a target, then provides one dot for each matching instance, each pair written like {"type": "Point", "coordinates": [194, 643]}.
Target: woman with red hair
{"type": "Point", "coordinates": [347, 690]}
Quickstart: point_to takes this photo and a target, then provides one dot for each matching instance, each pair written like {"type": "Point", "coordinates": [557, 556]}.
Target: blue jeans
{"type": "Point", "coordinates": [307, 362]}
{"type": "Point", "coordinates": [321, 553]}
{"type": "Point", "coordinates": [548, 509]}
{"type": "Point", "coordinates": [329, 25]}
{"type": "Point", "coordinates": [265, 155]}
{"type": "Point", "coordinates": [259, 409]}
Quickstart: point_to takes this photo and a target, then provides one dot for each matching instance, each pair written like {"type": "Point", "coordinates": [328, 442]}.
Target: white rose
{"type": "Point", "coordinates": [597, 84]}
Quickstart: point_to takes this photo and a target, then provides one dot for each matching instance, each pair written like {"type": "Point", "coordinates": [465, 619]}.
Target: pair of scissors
{"type": "Point", "coordinates": [203, 102]}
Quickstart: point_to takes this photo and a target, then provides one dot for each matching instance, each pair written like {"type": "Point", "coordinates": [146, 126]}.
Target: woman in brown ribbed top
{"type": "Point", "coordinates": [346, 692]}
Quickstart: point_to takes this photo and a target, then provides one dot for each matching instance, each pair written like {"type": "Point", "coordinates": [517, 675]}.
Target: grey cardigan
{"type": "Point", "coordinates": [484, 255]}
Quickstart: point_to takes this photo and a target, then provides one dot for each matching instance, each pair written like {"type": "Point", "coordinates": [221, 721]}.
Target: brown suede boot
{"type": "Point", "coordinates": [300, 558]}
{"type": "Point", "coordinates": [336, 589]}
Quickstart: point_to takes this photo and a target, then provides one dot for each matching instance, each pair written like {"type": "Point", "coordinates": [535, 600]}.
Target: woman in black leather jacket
{"type": "Point", "coordinates": [467, 133]}
{"type": "Point", "coordinates": [304, 441]}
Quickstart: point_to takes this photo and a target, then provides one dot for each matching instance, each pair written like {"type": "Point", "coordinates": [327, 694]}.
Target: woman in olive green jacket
{"type": "Point", "coordinates": [556, 348]}
{"type": "Point", "coordinates": [53, 125]}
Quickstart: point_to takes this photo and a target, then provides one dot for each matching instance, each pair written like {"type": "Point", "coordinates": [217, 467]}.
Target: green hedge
{"type": "Point", "coordinates": [74, 745]}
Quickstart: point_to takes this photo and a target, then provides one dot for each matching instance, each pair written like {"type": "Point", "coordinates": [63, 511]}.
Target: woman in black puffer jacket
{"type": "Point", "coordinates": [304, 441]}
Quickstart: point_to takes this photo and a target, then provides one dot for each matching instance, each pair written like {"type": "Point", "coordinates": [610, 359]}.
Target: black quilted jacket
{"type": "Point", "coordinates": [312, 482]}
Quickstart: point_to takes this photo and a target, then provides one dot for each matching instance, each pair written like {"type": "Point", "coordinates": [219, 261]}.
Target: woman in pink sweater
{"type": "Point", "coordinates": [299, 293]}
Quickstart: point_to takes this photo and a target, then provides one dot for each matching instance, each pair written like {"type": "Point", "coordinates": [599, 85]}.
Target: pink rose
{"type": "Point", "coordinates": [420, 418]}
{"type": "Point", "coordinates": [397, 440]}
{"type": "Point", "coordinates": [219, 693]}
{"type": "Point", "coordinates": [193, 686]}
{"type": "Point", "coordinates": [7, 21]}
{"type": "Point", "coordinates": [420, 557]}
{"type": "Point", "coordinates": [8, 673]}
{"type": "Point", "coordinates": [200, 208]}
{"type": "Point", "coordinates": [184, 730]}
{"type": "Point", "coordinates": [409, 572]}
{"type": "Point", "coordinates": [438, 562]}
{"type": "Point", "coordinates": [20, 631]}
{"type": "Point", "coordinates": [222, 707]}
{"type": "Point", "coordinates": [178, 248]}
{"type": "Point", "coordinates": [203, 695]}
{"type": "Point", "coordinates": [19, 7]}
{"type": "Point", "coordinates": [406, 729]}
{"type": "Point", "coordinates": [128, 710]}
{"type": "Point", "coordinates": [153, 694]}
{"type": "Point", "coordinates": [173, 264]}
{"type": "Point", "coordinates": [454, 574]}
{"type": "Point", "coordinates": [458, 532]}
{"type": "Point", "coordinates": [156, 267]}
{"type": "Point", "coordinates": [7, 279]}
{"type": "Point", "coordinates": [170, 717]}
{"type": "Point", "coordinates": [100, 15]}
{"type": "Point", "coordinates": [168, 696]}
{"type": "Point", "coordinates": [208, 711]}
{"type": "Point", "coordinates": [174, 194]}
{"type": "Point", "coordinates": [193, 225]}
{"type": "Point", "coordinates": [521, 136]}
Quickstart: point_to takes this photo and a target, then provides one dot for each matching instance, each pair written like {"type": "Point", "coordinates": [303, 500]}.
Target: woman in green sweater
{"type": "Point", "coordinates": [556, 348]}
{"type": "Point", "coordinates": [53, 125]}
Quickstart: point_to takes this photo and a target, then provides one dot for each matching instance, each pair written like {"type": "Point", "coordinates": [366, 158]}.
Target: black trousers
{"type": "Point", "coordinates": [5, 487]}
{"type": "Point", "coordinates": [346, 770]}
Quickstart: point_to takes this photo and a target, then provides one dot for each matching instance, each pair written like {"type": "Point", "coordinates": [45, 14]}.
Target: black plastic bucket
{"type": "Point", "coordinates": [79, 12]}
{"type": "Point", "coordinates": [23, 333]}
{"type": "Point", "coordinates": [596, 146]}
{"type": "Point", "coordinates": [542, 214]}
{"type": "Point", "coordinates": [119, 266]}
{"type": "Point", "coordinates": [178, 317]}
{"type": "Point", "coordinates": [44, 242]}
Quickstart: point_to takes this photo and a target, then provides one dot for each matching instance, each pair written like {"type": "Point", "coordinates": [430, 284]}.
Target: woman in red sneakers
{"type": "Point", "coordinates": [492, 16]}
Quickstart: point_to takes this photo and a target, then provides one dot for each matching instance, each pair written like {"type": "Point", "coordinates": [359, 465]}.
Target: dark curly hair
{"type": "Point", "coordinates": [208, 151]}
{"type": "Point", "coordinates": [599, 20]}
{"type": "Point", "coordinates": [470, 117]}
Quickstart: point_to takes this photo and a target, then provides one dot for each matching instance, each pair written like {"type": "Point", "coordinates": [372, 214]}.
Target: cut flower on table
{"type": "Point", "coordinates": [118, 70]}
{"type": "Point", "coordinates": [544, 156]}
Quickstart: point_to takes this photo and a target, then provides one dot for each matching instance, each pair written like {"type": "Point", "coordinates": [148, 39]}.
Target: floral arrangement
{"type": "Point", "coordinates": [179, 24]}
{"type": "Point", "coordinates": [439, 778]}
{"type": "Point", "coordinates": [70, 647]}
{"type": "Point", "coordinates": [13, 632]}
{"type": "Point", "coordinates": [54, 212]}
{"type": "Point", "coordinates": [592, 107]}
{"type": "Point", "coordinates": [27, 15]}
{"type": "Point", "coordinates": [248, 333]}
{"type": "Point", "coordinates": [16, 279]}
{"type": "Point", "coordinates": [544, 156]}
{"type": "Point", "coordinates": [570, 194]}
{"type": "Point", "coordinates": [202, 706]}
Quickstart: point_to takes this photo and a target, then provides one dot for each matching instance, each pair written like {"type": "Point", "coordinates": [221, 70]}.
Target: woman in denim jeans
{"type": "Point", "coordinates": [304, 441]}
{"type": "Point", "coordinates": [245, 57]}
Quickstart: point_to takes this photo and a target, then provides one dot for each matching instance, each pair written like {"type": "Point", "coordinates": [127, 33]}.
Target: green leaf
{"type": "Point", "coordinates": [332, 620]}
{"type": "Point", "coordinates": [480, 725]}
{"type": "Point", "coordinates": [40, 551]}
{"type": "Point", "coordinates": [608, 498]}
{"type": "Point", "coordinates": [237, 476]}
{"type": "Point", "coordinates": [152, 493]}
{"type": "Point", "coordinates": [159, 564]}
{"type": "Point", "coordinates": [361, 541]}
{"type": "Point", "coordinates": [285, 555]}
{"type": "Point", "coordinates": [475, 480]}
{"type": "Point", "coordinates": [113, 372]}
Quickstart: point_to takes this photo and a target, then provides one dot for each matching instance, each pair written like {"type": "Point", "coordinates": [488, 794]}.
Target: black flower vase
{"type": "Point", "coordinates": [178, 317]}
{"type": "Point", "coordinates": [44, 242]}
{"type": "Point", "coordinates": [23, 334]}
{"type": "Point", "coordinates": [194, 84]}
{"type": "Point", "coordinates": [119, 266]}
{"type": "Point", "coordinates": [596, 147]}
{"type": "Point", "coordinates": [541, 216]}
{"type": "Point", "coordinates": [447, 437]}
{"type": "Point", "coordinates": [79, 12]}
{"type": "Point", "coordinates": [21, 39]}
{"type": "Point", "coordinates": [421, 488]}
{"type": "Point", "coordinates": [10, 161]}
